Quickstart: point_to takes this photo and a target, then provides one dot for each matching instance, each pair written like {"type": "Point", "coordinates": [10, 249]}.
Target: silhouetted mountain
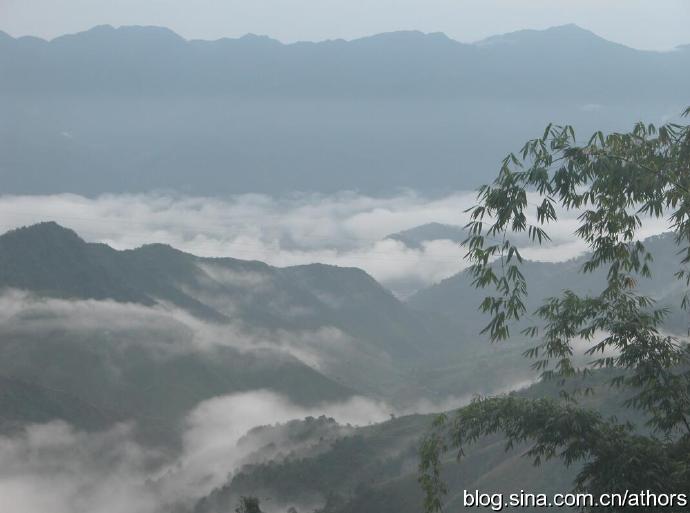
{"type": "Point", "coordinates": [109, 327]}
{"type": "Point", "coordinates": [138, 108]}
{"type": "Point", "coordinates": [570, 35]}
{"type": "Point", "coordinates": [53, 261]}
{"type": "Point", "coordinates": [49, 259]}
{"type": "Point", "coordinates": [155, 60]}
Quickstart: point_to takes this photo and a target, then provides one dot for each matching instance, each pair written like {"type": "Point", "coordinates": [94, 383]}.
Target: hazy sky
{"type": "Point", "coordinates": [650, 24]}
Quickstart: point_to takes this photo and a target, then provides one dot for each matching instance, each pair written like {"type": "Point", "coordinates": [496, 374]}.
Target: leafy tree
{"type": "Point", "coordinates": [613, 182]}
{"type": "Point", "coordinates": [248, 505]}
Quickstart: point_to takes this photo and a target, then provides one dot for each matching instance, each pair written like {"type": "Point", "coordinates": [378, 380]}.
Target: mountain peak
{"type": "Point", "coordinates": [569, 27]}
{"type": "Point", "coordinates": [408, 36]}
{"type": "Point", "coordinates": [572, 30]}
{"type": "Point", "coordinates": [45, 231]}
{"type": "Point", "coordinates": [560, 34]}
{"type": "Point", "coordinates": [103, 29]}
{"type": "Point", "coordinates": [130, 33]}
{"type": "Point", "coordinates": [250, 36]}
{"type": "Point", "coordinates": [159, 249]}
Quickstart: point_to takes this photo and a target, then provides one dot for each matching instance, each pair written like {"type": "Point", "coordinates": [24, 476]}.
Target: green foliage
{"type": "Point", "coordinates": [614, 458]}
{"type": "Point", "coordinates": [613, 182]}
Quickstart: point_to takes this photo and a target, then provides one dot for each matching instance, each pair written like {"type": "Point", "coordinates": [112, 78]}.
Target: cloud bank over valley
{"type": "Point", "coordinates": [344, 229]}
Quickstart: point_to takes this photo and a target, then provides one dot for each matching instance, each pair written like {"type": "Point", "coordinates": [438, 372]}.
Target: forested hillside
{"type": "Point", "coordinates": [94, 336]}
{"type": "Point", "coordinates": [374, 469]}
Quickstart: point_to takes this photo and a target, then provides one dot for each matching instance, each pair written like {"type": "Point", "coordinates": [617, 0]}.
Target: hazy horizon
{"type": "Point", "coordinates": [350, 39]}
{"type": "Point", "coordinates": [283, 41]}
{"type": "Point", "coordinates": [643, 25]}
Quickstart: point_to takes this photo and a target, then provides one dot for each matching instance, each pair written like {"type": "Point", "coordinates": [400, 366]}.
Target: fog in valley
{"type": "Point", "coordinates": [120, 467]}
{"type": "Point", "coordinates": [240, 267]}
{"type": "Point", "coordinates": [406, 241]}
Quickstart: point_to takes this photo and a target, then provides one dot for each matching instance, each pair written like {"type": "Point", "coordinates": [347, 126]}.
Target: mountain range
{"type": "Point", "coordinates": [133, 109]}
{"type": "Point", "coordinates": [96, 337]}
{"type": "Point", "coordinates": [139, 323]}
{"type": "Point", "coordinates": [155, 60]}
{"type": "Point", "coordinates": [162, 330]}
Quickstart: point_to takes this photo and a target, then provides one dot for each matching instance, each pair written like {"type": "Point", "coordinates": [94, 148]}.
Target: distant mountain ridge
{"type": "Point", "coordinates": [155, 60]}
{"type": "Point", "coordinates": [136, 109]}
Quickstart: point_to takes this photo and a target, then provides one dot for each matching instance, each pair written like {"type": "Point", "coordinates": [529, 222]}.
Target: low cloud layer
{"type": "Point", "coordinates": [52, 467]}
{"type": "Point", "coordinates": [166, 331]}
{"type": "Point", "coordinates": [56, 467]}
{"type": "Point", "coordinates": [59, 468]}
{"type": "Point", "coordinates": [345, 229]}
{"type": "Point", "coordinates": [214, 428]}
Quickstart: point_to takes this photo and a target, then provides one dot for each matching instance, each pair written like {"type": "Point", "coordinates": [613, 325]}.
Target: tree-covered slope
{"type": "Point", "coordinates": [151, 332]}
{"type": "Point", "coordinates": [373, 469]}
{"type": "Point", "coordinates": [23, 403]}
{"type": "Point", "coordinates": [52, 261]}
{"type": "Point", "coordinates": [457, 299]}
